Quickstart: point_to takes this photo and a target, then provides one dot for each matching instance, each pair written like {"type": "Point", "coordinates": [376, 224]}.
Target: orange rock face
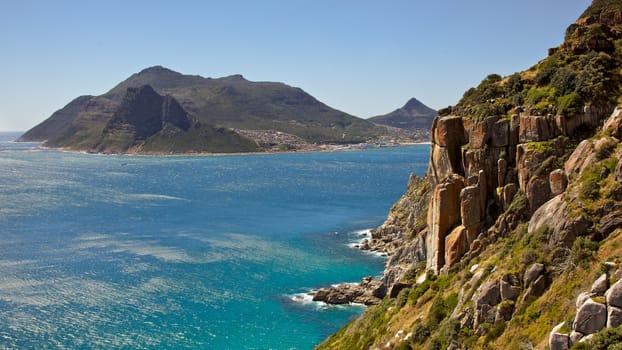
{"type": "Point", "coordinates": [443, 213]}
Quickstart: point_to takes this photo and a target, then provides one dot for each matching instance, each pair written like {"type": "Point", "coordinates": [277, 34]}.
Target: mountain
{"type": "Point", "coordinates": [231, 102]}
{"type": "Point", "coordinates": [413, 115]}
{"type": "Point", "coordinates": [142, 122]}
{"type": "Point", "coordinates": [513, 238]}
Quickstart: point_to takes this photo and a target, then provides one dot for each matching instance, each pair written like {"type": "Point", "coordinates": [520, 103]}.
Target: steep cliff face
{"type": "Point", "coordinates": [523, 210]}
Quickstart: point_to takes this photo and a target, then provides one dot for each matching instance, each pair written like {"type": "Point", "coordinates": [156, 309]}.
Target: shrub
{"type": "Point", "coordinates": [609, 338]}
{"type": "Point", "coordinates": [421, 333]}
{"type": "Point", "coordinates": [564, 81]}
{"type": "Point", "coordinates": [495, 332]}
{"type": "Point", "coordinates": [590, 183]}
{"type": "Point", "coordinates": [605, 150]}
{"type": "Point", "coordinates": [441, 308]}
{"type": "Point", "coordinates": [583, 252]}
{"type": "Point", "coordinates": [402, 297]}
{"type": "Point", "coordinates": [569, 105]}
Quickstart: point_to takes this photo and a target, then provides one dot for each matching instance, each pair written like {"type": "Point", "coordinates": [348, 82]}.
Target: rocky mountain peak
{"type": "Point", "coordinates": [413, 103]}
{"type": "Point", "coordinates": [143, 113]}
{"type": "Point", "coordinates": [157, 70]}
{"type": "Point", "coordinates": [413, 115]}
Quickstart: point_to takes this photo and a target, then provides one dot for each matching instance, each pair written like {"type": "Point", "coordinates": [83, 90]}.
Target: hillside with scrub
{"type": "Point", "coordinates": [513, 238]}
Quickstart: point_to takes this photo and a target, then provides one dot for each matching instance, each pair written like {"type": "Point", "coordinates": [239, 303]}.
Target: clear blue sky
{"type": "Point", "coordinates": [360, 56]}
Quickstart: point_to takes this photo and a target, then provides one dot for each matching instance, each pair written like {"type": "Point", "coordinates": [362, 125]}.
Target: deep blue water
{"type": "Point", "coordinates": [185, 252]}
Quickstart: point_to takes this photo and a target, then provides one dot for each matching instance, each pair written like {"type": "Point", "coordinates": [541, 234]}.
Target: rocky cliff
{"type": "Point", "coordinates": [518, 212]}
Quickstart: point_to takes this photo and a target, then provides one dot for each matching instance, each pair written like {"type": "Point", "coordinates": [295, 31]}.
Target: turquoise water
{"type": "Point", "coordinates": [185, 252]}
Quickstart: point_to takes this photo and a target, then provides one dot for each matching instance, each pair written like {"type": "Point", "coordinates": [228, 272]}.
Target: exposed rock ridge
{"type": "Point", "coordinates": [476, 169]}
{"type": "Point", "coordinates": [146, 113]}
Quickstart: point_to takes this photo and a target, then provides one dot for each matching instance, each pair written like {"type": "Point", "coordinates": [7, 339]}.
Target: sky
{"type": "Point", "coordinates": [363, 57]}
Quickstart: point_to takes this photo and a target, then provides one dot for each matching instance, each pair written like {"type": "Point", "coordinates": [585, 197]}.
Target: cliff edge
{"type": "Point", "coordinates": [518, 213]}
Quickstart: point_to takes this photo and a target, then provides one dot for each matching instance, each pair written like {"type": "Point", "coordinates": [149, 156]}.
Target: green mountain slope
{"type": "Point", "coordinates": [413, 115]}
{"type": "Point", "coordinates": [142, 122]}
{"type": "Point", "coordinates": [231, 102]}
{"type": "Point", "coordinates": [513, 239]}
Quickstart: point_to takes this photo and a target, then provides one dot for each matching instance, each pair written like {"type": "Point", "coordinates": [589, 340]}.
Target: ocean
{"type": "Point", "coordinates": [101, 251]}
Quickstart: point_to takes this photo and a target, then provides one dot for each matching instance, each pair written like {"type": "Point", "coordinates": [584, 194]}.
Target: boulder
{"type": "Point", "coordinates": [558, 181]}
{"type": "Point", "coordinates": [618, 171]}
{"type": "Point", "coordinates": [586, 338]}
{"type": "Point", "coordinates": [565, 228]}
{"type": "Point", "coordinates": [397, 288]}
{"type": "Point", "coordinates": [610, 223]}
{"type": "Point", "coordinates": [591, 317]}
{"type": "Point", "coordinates": [580, 158]}
{"type": "Point", "coordinates": [466, 319]}
{"type": "Point", "coordinates": [476, 248]}
{"type": "Point", "coordinates": [321, 295]}
{"type": "Point", "coordinates": [485, 314]}
{"type": "Point", "coordinates": [532, 273]}
{"type": "Point", "coordinates": [504, 312]}
{"type": "Point", "coordinates": [539, 286]}
{"type": "Point", "coordinates": [456, 245]}
{"type": "Point", "coordinates": [614, 295]}
{"type": "Point", "coordinates": [613, 125]}
{"type": "Point", "coordinates": [374, 286]}
{"type": "Point", "coordinates": [600, 286]}
{"type": "Point", "coordinates": [575, 337]}
{"type": "Point", "coordinates": [337, 298]}
{"type": "Point", "coordinates": [558, 340]}
{"type": "Point", "coordinates": [582, 298]}
{"type": "Point", "coordinates": [538, 192]}
{"type": "Point", "coordinates": [509, 287]}
{"type": "Point", "coordinates": [614, 316]}
{"type": "Point", "coordinates": [488, 294]}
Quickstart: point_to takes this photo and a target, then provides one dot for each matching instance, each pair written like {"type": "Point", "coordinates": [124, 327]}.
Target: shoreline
{"type": "Point", "coordinates": [325, 148]}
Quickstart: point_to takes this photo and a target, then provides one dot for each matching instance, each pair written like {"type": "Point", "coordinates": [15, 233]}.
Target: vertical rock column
{"type": "Point", "coordinates": [443, 215]}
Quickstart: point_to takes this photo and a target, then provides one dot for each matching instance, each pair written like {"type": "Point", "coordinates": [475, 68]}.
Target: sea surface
{"type": "Point", "coordinates": [186, 252]}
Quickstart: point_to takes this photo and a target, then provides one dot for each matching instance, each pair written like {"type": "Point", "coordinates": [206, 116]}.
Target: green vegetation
{"type": "Point", "coordinates": [607, 339]}
{"type": "Point", "coordinates": [584, 71]}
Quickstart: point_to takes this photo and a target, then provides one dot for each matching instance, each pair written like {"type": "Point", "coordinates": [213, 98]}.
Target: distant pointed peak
{"type": "Point", "coordinates": [413, 102]}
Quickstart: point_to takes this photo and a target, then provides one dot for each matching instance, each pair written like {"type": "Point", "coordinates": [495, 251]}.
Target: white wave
{"type": "Point", "coordinates": [153, 196]}
{"type": "Point", "coordinates": [306, 299]}
{"type": "Point", "coordinates": [363, 233]}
